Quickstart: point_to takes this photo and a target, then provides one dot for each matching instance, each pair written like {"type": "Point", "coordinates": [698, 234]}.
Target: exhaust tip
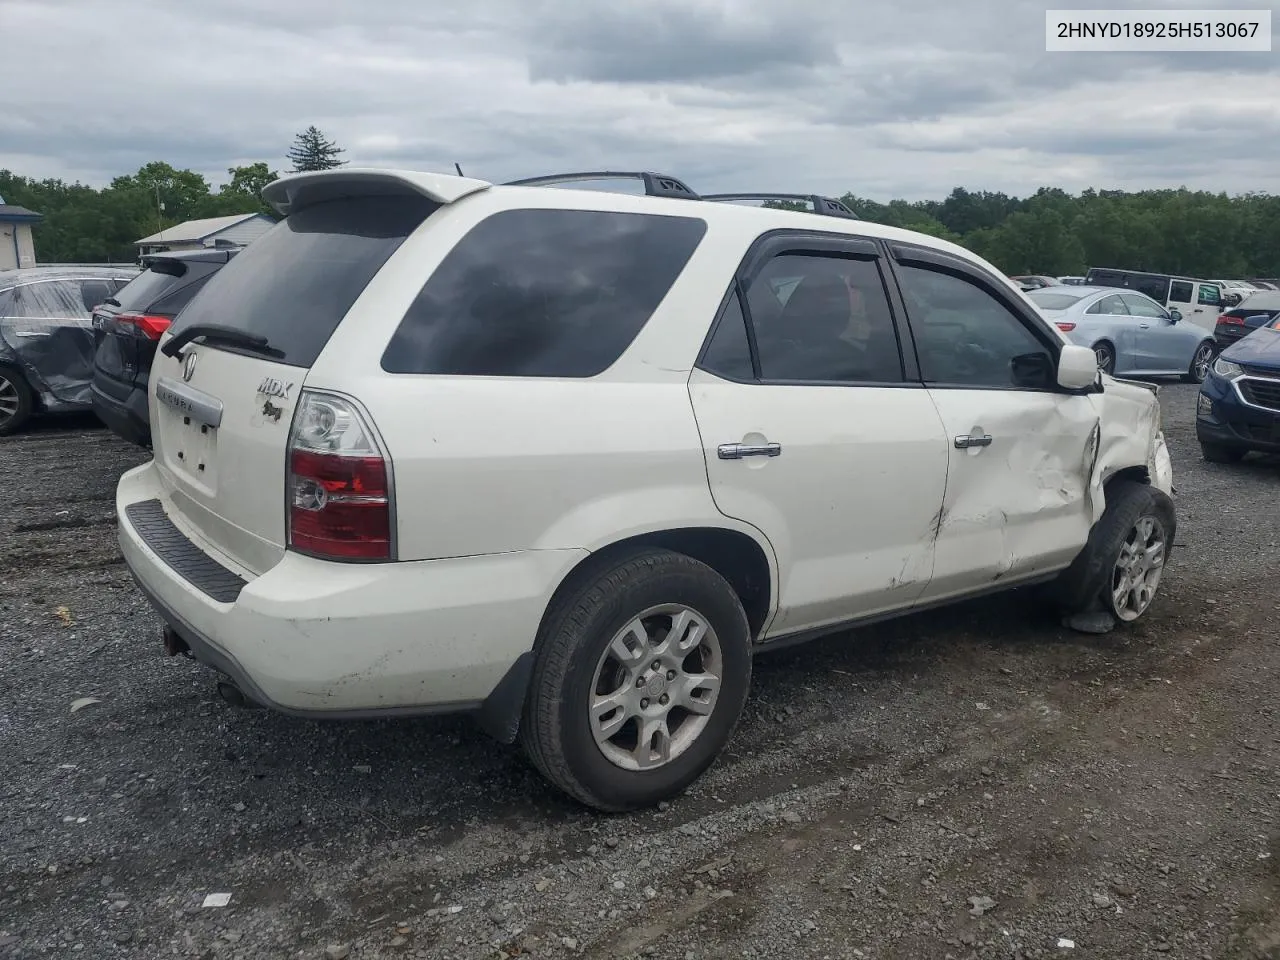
{"type": "Point", "coordinates": [233, 695]}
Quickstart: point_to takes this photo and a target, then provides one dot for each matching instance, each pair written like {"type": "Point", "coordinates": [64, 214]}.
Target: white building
{"type": "Point", "coordinates": [242, 228]}
{"type": "Point", "coordinates": [17, 249]}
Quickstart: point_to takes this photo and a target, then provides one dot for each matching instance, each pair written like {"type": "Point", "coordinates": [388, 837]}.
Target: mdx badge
{"type": "Point", "coordinates": [271, 387]}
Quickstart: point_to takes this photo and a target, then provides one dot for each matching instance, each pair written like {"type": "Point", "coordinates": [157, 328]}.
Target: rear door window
{"type": "Point", "coordinates": [93, 292]}
{"type": "Point", "coordinates": [1209, 295]}
{"type": "Point", "coordinates": [1180, 291]}
{"type": "Point", "coordinates": [1157, 288]}
{"type": "Point", "coordinates": [49, 300]}
{"type": "Point", "coordinates": [542, 293]}
{"type": "Point", "coordinates": [295, 283]}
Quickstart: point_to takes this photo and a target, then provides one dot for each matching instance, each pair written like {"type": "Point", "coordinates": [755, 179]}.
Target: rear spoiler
{"type": "Point", "coordinates": [300, 190]}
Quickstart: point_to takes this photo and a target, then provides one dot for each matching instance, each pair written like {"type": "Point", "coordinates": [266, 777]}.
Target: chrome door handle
{"type": "Point", "coordinates": [32, 334]}
{"type": "Point", "coordinates": [964, 441]}
{"type": "Point", "coordinates": [736, 451]}
{"type": "Point", "coordinates": [1144, 326]}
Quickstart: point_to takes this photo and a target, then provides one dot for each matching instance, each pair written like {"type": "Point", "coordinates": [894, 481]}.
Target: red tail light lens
{"type": "Point", "coordinates": [1231, 321]}
{"type": "Point", "coordinates": [1066, 326]}
{"type": "Point", "coordinates": [339, 483]}
{"type": "Point", "coordinates": [150, 326]}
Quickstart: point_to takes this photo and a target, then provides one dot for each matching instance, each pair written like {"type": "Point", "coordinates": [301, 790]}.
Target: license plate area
{"type": "Point", "coordinates": [190, 419]}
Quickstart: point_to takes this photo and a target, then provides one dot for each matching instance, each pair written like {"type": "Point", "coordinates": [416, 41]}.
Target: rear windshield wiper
{"type": "Point", "coordinates": [113, 301]}
{"type": "Point", "coordinates": [216, 331]}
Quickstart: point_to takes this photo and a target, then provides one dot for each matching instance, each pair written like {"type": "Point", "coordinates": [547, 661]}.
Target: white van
{"type": "Point", "coordinates": [1199, 301]}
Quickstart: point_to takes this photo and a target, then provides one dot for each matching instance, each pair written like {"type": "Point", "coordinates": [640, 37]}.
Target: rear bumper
{"type": "Point", "coordinates": [128, 419]}
{"type": "Point", "coordinates": [314, 638]}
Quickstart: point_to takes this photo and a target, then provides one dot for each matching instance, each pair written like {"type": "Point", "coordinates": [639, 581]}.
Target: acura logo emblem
{"type": "Point", "coordinates": [188, 365]}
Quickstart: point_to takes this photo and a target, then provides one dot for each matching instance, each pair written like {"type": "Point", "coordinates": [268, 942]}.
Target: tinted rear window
{"type": "Point", "coordinates": [295, 283]}
{"type": "Point", "coordinates": [142, 290]}
{"type": "Point", "coordinates": [1053, 301]}
{"type": "Point", "coordinates": [542, 293]}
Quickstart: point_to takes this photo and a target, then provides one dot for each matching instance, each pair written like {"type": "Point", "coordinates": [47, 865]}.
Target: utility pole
{"type": "Point", "coordinates": [159, 210]}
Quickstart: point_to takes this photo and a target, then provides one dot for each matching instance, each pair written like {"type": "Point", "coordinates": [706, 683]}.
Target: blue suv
{"type": "Point", "coordinates": [1238, 409]}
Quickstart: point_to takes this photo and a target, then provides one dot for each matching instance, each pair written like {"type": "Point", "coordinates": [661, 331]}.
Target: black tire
{"type": "Point", "coordinates": [1201, 360]}
{"type": "Point", "coordinates": [556, 728]}
{"type": "Point", "coordinates": [1215, 453]}
{"type": "Point", "coordinates": [1085, 586]}
{"type": "Point", "coordinates": [16, 402]}
{"type": "Point", "coordinates": [1106, 354]}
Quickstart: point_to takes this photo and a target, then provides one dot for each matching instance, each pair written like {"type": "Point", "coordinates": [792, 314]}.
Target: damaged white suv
{"type": "Point", "coordinates": [566, 458]}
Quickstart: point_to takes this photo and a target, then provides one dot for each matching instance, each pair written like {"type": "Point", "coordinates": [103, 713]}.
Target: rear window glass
{"type": "Point", "coordinates": [139, 292]}
{"type": "Point", "coordinates": [542, 293]}
{"type": "Point", "coordinates": [1054, 301]}
{"type": "Point", "coordinates": [295, 283]}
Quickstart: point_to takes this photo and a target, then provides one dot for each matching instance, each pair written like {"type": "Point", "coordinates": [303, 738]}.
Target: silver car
{"type": "Point", "coordinates": [1131, 334]}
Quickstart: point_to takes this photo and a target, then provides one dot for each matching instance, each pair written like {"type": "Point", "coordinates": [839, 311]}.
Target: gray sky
{"type": "Point", "coordinates": [901, 99]}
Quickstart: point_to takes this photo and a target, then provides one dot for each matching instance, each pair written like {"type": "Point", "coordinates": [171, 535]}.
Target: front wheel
{"type": "Point", "coordinates": [1106, 355]}
{"type": "Point", "coordinates": [1121, 566]}
{"type": "Point", "coordinates": [641, 673]}
{"type": "Point", "coordinates": [1200, 363]}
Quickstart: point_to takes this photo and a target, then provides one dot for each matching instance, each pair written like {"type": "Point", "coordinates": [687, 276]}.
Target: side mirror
{"type": "Point", "coordinates": [1175, 314]}
{"type": "Point", "coordinates": [1077, 367]}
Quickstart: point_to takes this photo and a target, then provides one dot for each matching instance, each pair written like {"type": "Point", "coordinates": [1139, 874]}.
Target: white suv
{"type": "Point", "coordinates": [566, 458]}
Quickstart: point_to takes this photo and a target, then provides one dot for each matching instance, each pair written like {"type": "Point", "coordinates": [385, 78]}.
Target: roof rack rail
{"type": "Point", "coordinates": [655, 184]}
{"type": "Point", "coordinates": [826, 206]}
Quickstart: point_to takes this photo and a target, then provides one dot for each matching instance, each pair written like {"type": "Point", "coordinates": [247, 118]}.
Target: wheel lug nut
{"type": "Point", "coordinates": [671, 674]}
{"type": "Point", "coordinates": [664, 699]}
{"type": "Point", "coordinates": [657, 665]}
{"type": "Point", "coordinates": [639, 683]}
{"type": "Point", "coordinates": [644, 704]}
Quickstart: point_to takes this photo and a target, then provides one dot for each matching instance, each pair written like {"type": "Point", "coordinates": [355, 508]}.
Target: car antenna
{"type": "Point", "coordinates": [457, 166]}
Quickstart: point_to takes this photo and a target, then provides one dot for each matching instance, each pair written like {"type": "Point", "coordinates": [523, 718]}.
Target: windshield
{"type": "Point", "coordinates": [1054, 300]}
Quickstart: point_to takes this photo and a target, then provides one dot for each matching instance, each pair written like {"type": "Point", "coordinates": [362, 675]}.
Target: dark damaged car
{"type": "Point", "coordinates": [1238, 409]}
{"type": "Point", "coordinates": [46, 338]}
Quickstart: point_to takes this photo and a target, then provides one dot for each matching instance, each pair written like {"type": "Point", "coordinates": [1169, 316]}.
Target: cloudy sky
{"type": "Point", "coordinates": [901, 99]}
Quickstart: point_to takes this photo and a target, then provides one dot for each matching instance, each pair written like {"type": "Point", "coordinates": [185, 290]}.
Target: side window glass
{"type": "Point", "coordinates": [1141, 307]}
{"type": "Point", "coordinates": [824, 319]}
{"type": "Point", "coordinates": [1180, 290]}
{"type": "Point", "coordinates": [729, 353]}
{"type": "Point", "coordinates": [1157, 288]}
{"type": "Point", "coordinates": [93, 292]}
{"type": "Point", "coordinates": [1209, 295]}
{"type": "Point", "coordinates": [1112, 306]}
{"type": "Point", "coordinates": [50, 300]}
{"type": "Point", "coordinates": [965, 336]}
{"type": "Point", "coordinates": [542, 293]}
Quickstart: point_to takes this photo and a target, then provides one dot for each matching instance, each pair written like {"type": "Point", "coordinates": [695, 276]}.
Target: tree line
{"type": "Point", "coordinates": [85, 225]}
{"type": "Point", "coordinates": [1195, 233]}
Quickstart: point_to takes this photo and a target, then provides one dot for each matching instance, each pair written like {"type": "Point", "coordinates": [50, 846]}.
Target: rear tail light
{"type": "Point", "coordinates": [150, 326]}
{"type": "Point", "coordinates": [1066, 326]}
{"type": "Point", "coordinates": [1233, 321]}
{"type": "Point", "coordinates": [339, 483]}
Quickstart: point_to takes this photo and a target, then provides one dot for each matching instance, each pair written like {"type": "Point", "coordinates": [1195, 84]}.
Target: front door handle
{"type": "Point", "coordinates": [964, 441]}
{"type": "Point", "coordinates": [1144, 326]}
{"type": "Point", "coordinates": [736, 451]}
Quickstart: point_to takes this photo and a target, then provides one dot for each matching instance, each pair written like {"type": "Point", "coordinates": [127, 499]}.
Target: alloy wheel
{"type": "Point", "coordinates": [1200, 363]}
{"type": "Point", "coordinates": [1138, 568]}
{"type": "Point", "coordinates": [655, 687]}
{"type": "Point", "coordinates": [9, 400]}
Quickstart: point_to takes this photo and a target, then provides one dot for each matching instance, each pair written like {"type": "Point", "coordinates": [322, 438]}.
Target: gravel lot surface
{"type": "Point", "coordinates": [975, 782]}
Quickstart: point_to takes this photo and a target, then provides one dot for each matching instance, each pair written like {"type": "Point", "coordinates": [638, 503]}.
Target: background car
{"type": "Point", "coordinates": [1199, 301]}
{"type": "Point", "coordinates": [127, 328]}
{"type": "Point", "coordinates": [1129, 332]}
{"type": "Point", "coordinates": [1034, 281]}
{"type": "Point", "coordinates": [1238, 409]}
{"type": "Point", "coordinates": [1233, 291]}
{"type": "Point", "coordinates": [46, 340]}
{"type": "Point", "coordinates": [1071, 281]}
{"type": "Point", "coordinates": [1235, 323]}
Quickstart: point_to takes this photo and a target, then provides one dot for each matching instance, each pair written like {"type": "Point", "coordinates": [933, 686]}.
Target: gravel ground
{"type": "Point", "coordinates": [975, 782]}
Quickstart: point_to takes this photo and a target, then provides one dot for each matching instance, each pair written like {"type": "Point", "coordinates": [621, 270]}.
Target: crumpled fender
{"type": "Point", "coordinates": [1130, 435]}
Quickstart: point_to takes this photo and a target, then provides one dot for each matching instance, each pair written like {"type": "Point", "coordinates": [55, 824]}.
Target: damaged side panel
{"type": "Point", "coordinates": [1020, 504]}
{"type": "Point", "coordinates": [1131, 437]}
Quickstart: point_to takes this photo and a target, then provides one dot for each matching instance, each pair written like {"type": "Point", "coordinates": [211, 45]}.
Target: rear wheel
{"type": "Point", "coordinates": [1120, 568]}
{"type": "Point", "coordinates": [1200, 363]}
{"type": "Point", "coordinates": [1106, 355]}
{"type": "Point", "coordinates": [15, 401]}
{"type": "Point", "coordinates": [641, 674]}
{"type": "Point", "coordinates": [1216, 453]}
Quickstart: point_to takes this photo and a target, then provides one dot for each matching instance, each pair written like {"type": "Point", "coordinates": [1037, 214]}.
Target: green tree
{"type": "Point", "coordinates": [312, 150]}
{"type": "Point", "coordinates": [243, 192]}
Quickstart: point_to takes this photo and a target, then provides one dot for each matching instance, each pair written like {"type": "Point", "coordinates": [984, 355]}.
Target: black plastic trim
{"type": "Point", "coordinates": [182, 556]}
{"type": "Point", "coordinates": [499, 715]}
{"type": "Point", "coordinates": [655, 184]}
{"type": "Point", "coordinates": [823, 206]}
